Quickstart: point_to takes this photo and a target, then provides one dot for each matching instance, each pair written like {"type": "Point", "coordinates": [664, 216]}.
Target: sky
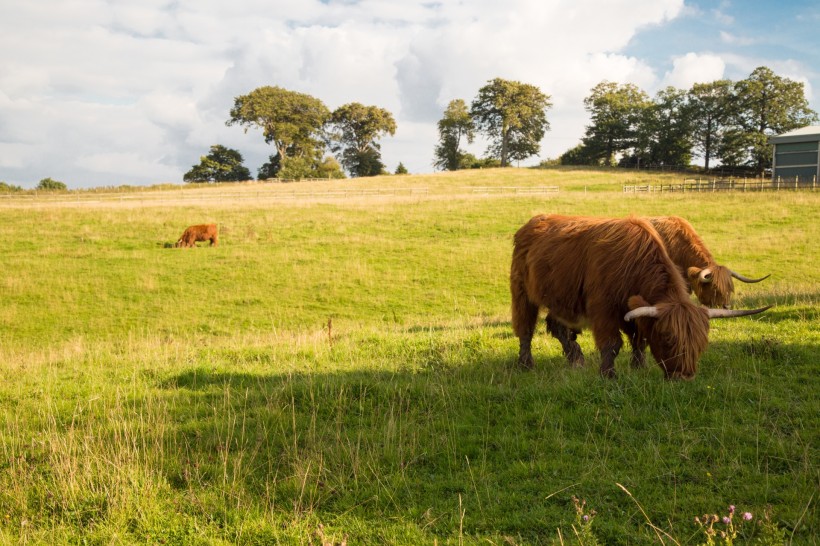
{"type": "Point", "coordinates": [100, 93]}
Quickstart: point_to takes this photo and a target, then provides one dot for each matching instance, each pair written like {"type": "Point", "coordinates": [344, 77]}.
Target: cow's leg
{"type": "Point", "coordinates": [525, 329]}
{"type": "Point", "coordinates": [609, 346]}
{"type": "Point", "coordinates": [638, 344]}
{"type": "Point", "coordinates": [638, 359]}
{"type": "Point", "coordinates": [567, 337]}
{"type": "Point", "coordinates": [524, 318]}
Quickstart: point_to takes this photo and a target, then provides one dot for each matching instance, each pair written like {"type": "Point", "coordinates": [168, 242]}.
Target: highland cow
{"type": "Point", "coordinates": [201, 232]}
{"type": "Point", "coordinates": [613, 275]}
{"type": "Point", "coordinates": [711, 283]}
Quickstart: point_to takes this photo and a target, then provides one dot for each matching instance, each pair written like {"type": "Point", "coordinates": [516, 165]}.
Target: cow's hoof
{"type": "Point", "coordinates": [608, 373]}
{"type": "Point", "coordinates": [526, 362]}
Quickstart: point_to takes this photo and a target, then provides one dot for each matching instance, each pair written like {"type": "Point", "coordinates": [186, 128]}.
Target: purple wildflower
{"type": "Point", "coordinates": [747, 516]}
{"type": "Point", "coordinates": [731, 508]}
{"type": "Point", "coordinates": [727, 520]}
{"type": "Point", "coordinates": [586, 517]}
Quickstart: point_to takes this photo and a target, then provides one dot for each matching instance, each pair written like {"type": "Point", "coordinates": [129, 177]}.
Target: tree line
{"type": "Point", "coordinates": [721, 121]}
{"type": "Point", "coordinates": [301, 130]}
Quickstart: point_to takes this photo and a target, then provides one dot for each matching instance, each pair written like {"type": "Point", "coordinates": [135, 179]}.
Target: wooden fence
{"type": "Point", "coordinates": [716, 185]}
{"type": "Point", "coordinates": [518, 190]}
{"type": "Point", "coordinates": [269, 193]}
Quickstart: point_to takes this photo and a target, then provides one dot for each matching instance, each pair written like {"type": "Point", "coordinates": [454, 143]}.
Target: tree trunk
{"type": "Point", "coordinates": [504, 144]}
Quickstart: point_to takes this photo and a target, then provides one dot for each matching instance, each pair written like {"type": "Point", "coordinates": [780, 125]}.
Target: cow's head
{"type": "Point", "coordinates": [713, 285]}
{"type": "Point", "coordinates": [677, 332]}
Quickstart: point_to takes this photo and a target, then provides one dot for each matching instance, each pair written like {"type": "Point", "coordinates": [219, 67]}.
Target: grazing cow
{"type": "Point", "coordinates": [201, 232]}
{"type": "Point", "coordinates": [612, 275]}
{"type": "Point", "coordinates": [711, 283]}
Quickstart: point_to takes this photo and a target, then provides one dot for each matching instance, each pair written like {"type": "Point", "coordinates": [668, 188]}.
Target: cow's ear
{"type": "Point", "coordinates": [693, 273]}
{"type": "Point", "coordinates": [636, 301]}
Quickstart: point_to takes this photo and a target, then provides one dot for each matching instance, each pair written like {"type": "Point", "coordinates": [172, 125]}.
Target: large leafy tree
{"type": "Point", "coordinates": [513, 115]}
{"type": "Point", "coordinates": [455, 125]}
{"type": "Point", "coordinates": [616, 111]}
{"type": "Point", "coordinates": [293, 122]}
{"type": "Point", "coordinates": [767, 104]}
{"type": "Point", "coordinates": [220, 165]}
{"type": "Point", "coordinates": [663, 133]}
{"type": "Point", "coordinates": [354, 132]}
{"type": "Point", "coordinates": [709, 106]}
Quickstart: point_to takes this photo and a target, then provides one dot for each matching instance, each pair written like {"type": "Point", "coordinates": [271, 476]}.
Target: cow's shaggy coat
{"type": "Point", "coordinates": [201, 232]}
{"type": "Point", "coordinates": [592, 272]}
{"type": "Point", "coordinates": [711, 283]}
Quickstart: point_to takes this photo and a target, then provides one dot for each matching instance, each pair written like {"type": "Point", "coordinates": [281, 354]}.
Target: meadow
{"type": "Point", "coordinates": [342, 371]}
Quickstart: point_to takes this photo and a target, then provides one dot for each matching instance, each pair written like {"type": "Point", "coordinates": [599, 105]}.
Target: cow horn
{"type": "Point", "coordinates": [747, 279]}
{"type": "Point", "coordinates": [729, 313]}
{"type": "Point", "coordinates": [705, 276]}
{"type": "Point", "coordinates": [645, 311]}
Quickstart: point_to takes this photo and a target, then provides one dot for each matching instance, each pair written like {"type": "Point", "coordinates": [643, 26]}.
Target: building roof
{"type": "Point", "coordinates": [809, 133]}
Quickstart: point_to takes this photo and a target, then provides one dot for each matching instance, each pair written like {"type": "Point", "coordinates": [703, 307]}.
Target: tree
{"type": "Point", "coordinates": [220, 165]}
{"type": "Point", "coordinates": [709, 110]}
{"type": "Point", "coordinates": [401, 169]}
{"type": "Point", "coordinates": [766, 105]}
{"type": "Point", "coordinates": [5, 187]}
{"type": "Point", "coordinates": [329, 168]}
{"type": "Point", "coordinates": [291, 121]}
{"type": "Point", "coordinates": [615, 111]}
{"type": "Point", "coordinates": [455, 124]}
{"type": "Point", "coordinates": [300, 167]}
{"type": "Point", "coordinates": [51, 184]}
{"type": "Point", "coordinates": [513, 115]}
{"type": "Point", "coordinates": [354, 131]}
{"type": "Point", "coordinates": [579, 155]}
{"type": "Point", "coordinates": [271, 168]}
{"type": "Point", "coordinates": [663, 131]}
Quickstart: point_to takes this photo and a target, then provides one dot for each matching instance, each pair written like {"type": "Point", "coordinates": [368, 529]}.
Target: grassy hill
{"type": "Point", "coordinates": [341, 365]}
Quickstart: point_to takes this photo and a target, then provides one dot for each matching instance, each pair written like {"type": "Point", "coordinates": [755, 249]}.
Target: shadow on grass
{"type": "Point", "coordinates": [482, 447]}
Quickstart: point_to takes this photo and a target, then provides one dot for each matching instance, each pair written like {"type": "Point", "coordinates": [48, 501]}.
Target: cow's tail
{"type": "Point", "coordinates": [524, 311]}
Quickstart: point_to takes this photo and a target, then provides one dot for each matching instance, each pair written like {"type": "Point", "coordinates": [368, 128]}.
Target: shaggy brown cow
{"type": "Point", "coordinates": [711, 283]}
{"type": "Point", "coordinates": [201, 232]}
{"type": "Point", "coordinates": [613, 275]}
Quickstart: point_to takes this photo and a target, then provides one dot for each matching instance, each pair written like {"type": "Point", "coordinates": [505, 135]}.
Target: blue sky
{"type": "Point", "coordinates": [109, 92]}
{"type": "Point", "coordinates": [747, 34]}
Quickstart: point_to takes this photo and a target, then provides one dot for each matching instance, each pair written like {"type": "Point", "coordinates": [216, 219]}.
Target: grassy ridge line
{"type": "Point", "coordinates": [567, 178]}
{"type": "Point", "coordinates": [158, 395]}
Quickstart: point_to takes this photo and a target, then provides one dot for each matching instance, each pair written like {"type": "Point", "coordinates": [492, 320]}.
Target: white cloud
{"type": "Point", "coordinates": [96, 92]}
{"type": "Point", "coordinates": [694, 68]}
{"type": "Point", "coordinates": [731, 39]}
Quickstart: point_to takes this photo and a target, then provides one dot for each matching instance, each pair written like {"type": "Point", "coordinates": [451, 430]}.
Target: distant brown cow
{"type": "Point", "coordinates": [201, 232]}
{"type": "Point", "coordinates": [612, 275]}
{"type": "Point", "coordinates": [711, 283]}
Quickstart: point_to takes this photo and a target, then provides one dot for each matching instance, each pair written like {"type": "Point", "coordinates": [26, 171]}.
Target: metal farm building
{"type": "Point", "coordinates": [795, 156]}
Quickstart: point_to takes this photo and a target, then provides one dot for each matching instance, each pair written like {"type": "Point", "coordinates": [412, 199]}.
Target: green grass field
{"type": "Point", "coordinates": [342, 369]}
